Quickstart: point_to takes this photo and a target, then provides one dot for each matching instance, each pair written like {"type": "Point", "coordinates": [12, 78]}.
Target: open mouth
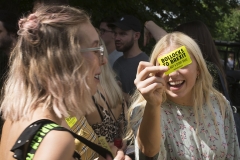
{"type": "Point", "coordinates": [176, 84]}
{"type": "Point", "coordinates": [97, 76]}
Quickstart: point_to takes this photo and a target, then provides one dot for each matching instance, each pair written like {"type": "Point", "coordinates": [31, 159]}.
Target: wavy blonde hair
{"type": "Point", "coordinates": [203, 83]}
{"type": "Point", "coordinates": [46, 66]}
{"type": "Point", "coordinates": [109, 84]}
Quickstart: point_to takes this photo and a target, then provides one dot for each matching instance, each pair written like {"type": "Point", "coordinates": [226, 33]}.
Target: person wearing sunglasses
{"type": "Point", "coordinates": [54, 71]}
{"type": "Point", "coordinates": [107, 35]}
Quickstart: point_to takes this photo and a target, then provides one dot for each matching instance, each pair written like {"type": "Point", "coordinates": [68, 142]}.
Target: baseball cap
{"type": "Point", "coordinates": [128, 22]}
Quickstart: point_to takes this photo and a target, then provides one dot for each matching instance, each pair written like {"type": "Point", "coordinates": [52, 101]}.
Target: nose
{"type": "Point", "coordinates": [175, 73]}
{"type": "Point", "coordinates": [116, 36]}
{"type": "Point", "coordinates": [104, 61]}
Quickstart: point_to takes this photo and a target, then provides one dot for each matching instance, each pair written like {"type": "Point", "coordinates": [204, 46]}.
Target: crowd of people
{"type": "Point", "coordinates": [70, 90]}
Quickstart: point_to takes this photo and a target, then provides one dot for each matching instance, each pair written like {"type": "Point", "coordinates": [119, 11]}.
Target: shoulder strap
{"type": "Point", "coordinates": [33, 128]}
{"type": "Point", "coordinates": [97, 106]}
{"type": "Point", "coordinates": [109, 108]}
{"type": "Point", "coordinates": [100, 150]}
{"type": "Point", "coordinates": [26, 136]}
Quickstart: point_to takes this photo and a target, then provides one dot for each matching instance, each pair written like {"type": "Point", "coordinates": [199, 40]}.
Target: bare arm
{"type": "Point", "coordinates": [149, 133]}
{"type": "Point", "coordinates": [57, 145]}
{"type": "Point", "coordinates": [151, 29]}
{"type": "Point", "coordinates": [151, 87]}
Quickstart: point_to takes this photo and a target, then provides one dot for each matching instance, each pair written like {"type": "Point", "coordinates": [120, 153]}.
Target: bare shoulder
{"type": "Point", "coordinates": [56, 145]}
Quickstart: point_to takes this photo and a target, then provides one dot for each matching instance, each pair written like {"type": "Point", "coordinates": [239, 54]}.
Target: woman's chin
{"type": "Point", "coordinates": [172, 95]}
{"type": "Point", "coordinates": [93, 91]}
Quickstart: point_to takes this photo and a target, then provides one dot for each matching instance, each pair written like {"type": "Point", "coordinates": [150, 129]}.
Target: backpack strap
{"type": "Point", "coordinates": [99, 149]}
{"type": "Point", "coordinates": [32, 133]}
{"type": "Point", "coordinates": [28, 135]}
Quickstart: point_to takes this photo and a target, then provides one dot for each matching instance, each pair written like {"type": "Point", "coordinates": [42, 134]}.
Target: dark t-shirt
{"type": "Point", "coordinates": [126, 69]}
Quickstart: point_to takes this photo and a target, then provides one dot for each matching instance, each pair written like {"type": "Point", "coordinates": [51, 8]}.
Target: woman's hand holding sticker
{"type": "Point", "coordinates": [150, 83]}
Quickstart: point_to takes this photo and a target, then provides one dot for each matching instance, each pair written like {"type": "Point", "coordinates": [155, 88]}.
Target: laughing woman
{"type": "Point", "coordinates": [180, 115]}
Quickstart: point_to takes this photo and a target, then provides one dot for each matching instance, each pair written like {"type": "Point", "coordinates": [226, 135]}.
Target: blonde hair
{"type": "Point", "coordinates": [203, 83]}
{"type": "Point", "coordinates": [46, 66]}
{"type": "Point", "coordinates": [108, 83]}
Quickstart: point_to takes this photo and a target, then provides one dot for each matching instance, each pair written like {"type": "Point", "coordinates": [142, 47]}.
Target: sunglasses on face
{"type": "Point", "coordinates": [99, 50]}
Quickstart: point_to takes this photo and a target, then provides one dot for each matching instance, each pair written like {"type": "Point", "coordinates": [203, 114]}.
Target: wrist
{"type": "Point", "coordinates": [147, 23]}
{"type": "Point", "coordinates": [153, 106]}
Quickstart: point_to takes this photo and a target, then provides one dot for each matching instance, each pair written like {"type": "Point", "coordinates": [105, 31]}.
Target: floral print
{"type": "Point", "coordinates": [215, 140]}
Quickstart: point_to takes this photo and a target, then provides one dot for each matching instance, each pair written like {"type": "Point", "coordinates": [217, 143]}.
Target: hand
{"type": "Point", "coordinates": [152, 30]}
{"type": "Point", "coordinates": [120, 156]}
{"type": "Point", "coordinates": [118, 153]}
{"type": "Point", "coordinates": [150, 83]}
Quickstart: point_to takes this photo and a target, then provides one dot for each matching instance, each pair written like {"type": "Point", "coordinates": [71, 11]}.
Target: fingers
{"type": "Point", "coordinates": [145, 69]}
{"type": "Point", "coordinates": [127, 157]}
{"type": "Point", "coordinates": [150, 84]}
{"type": "Point", "coordinates": [142, 65]}
{"type": "Point", "coordinates": [120, 155]}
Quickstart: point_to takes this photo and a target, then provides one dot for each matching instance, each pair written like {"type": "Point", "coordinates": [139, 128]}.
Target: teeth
{"type": "Point", "coordinates": [175, 83]}
{"type": "Point", "coordinates": [96, 76]}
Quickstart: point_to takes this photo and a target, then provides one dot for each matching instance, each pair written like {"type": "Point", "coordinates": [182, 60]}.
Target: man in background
{"type": "Point", "coordinates": [107, 35]}
{"type": "Point", "coordinates": [127, 33]}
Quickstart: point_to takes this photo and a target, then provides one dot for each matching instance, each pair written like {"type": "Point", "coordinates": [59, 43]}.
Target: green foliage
{"type": "Point", "coordinates": [166, 13]}
{"type": "Point", "coordinates": [229, 28]}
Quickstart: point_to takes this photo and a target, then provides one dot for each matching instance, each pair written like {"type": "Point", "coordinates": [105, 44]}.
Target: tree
{"type": "Point", "coordinates": [166, 13]}
{"type": "Point", "coordinates": [229, 28]}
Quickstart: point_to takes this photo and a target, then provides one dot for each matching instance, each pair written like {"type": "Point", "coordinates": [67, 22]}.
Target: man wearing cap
{"type": "Point", "coordinates": [107, 35]}
{"type": "Point", "coordinates": [127, 33]}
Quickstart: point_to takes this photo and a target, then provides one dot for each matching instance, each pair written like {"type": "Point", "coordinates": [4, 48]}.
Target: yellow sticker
{"type": "Point", "coordinates": [104, 143]}
{"type": "Point", "coordinates": [71, 121]}
{"type": "Point", "coordinates": [175, 60]}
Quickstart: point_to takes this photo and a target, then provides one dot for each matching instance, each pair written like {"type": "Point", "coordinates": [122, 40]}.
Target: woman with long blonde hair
{"type": "Point", "coordinates": [109, 120]}
{"type": "Point", "coordinates": [180, 115]}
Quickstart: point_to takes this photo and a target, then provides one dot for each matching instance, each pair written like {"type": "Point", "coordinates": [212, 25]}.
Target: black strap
{"type": "Point", "coordinates": [26, 136]}
{"type": "Point", "coordinates": [108, 106]}
{"type": "Point", "coordinates": [97, 106]}
{"type": "Point", "coordinates": [29, 132]}
{"type": "Point", "coordinates": [100, 150]}
{"type": "Point", "coordinates": [33, 128]}
{"type": "Point", "coordinates": [110, 111]}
